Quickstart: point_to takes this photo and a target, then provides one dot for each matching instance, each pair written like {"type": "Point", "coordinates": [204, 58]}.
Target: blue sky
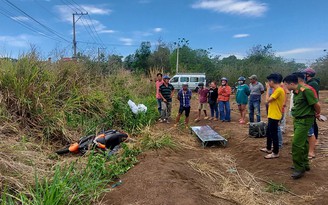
{"type": "Point", "coordinates": [297, 29]}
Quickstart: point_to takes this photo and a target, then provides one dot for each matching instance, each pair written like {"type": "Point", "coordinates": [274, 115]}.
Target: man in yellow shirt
{"type": "Point", "coordinates": [276, 103]}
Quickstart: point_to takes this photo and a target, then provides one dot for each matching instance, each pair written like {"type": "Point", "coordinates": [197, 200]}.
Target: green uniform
{"type": "Point", "coordinates": [303, 113]}
{"type": "Point", "coordinates": [314, 83]}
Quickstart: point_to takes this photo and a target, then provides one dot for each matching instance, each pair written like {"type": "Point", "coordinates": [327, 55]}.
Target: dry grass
{"type": "Point", "coordinates": [238, 186]}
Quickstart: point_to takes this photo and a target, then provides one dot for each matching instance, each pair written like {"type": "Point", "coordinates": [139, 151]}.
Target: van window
{"type": "Point", "coordinates": [202, 79]}
{"type": "Point", "coordinates": [174, 80]}
{"type": "Point", "coordinates": [184, 79]}
{"type": "Point", "coordinates": [194, 79]}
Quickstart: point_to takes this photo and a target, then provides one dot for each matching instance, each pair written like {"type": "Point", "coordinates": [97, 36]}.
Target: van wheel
{"type": "Point", "coordinates": [196, 90]}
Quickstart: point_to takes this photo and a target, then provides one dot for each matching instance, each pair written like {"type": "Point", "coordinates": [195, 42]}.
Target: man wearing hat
{"type": "Point", "coordinates": [166, 91]}
{"type": "Point", "coordinates": [257, 89]}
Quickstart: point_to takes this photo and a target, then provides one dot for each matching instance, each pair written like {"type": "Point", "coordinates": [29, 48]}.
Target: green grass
{"type": "Point", "coordinates": [273, 187]}
{"type": "Point", "coordinates": [162, 142]}
{"type": "Point", "coordinates": [76, 184]}
{"type": "Point", "coordinates": [53, 103]}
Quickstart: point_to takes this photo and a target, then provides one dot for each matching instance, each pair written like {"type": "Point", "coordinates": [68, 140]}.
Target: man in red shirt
{"type": "Point", "coordinates": [159, 82]}
{"type": "Point", "coordinates": [202, 95]}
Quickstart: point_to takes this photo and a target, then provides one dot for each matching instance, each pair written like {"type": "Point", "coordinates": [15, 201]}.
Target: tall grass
{"type": "Point", "coordinates": [59, 102]}
{"type": "Point", "coordinates": [55, 99]}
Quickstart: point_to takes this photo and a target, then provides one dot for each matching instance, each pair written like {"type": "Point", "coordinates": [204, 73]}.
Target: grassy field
{"type": "Point", "coordinates": [44, 106]}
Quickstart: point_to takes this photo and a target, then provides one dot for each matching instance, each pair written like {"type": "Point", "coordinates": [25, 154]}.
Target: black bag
{"type": "Point", "coordinates": [257, 129]}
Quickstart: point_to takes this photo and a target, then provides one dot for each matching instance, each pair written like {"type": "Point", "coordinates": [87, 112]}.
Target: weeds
{"type": "Point", "coordinates": [75, 184]}
{"type": "Point", "coordinates": [276, 188]}
{"type": "Point", "coordinates": [165, 141]}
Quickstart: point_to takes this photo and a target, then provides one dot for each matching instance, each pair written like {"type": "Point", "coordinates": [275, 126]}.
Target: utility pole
{"type": "Point", "coordinates": [177, 65]}
{"type": "Point", "coordinates": [74, 36]}
{"type": "Point", "coordinates": [102, 48]}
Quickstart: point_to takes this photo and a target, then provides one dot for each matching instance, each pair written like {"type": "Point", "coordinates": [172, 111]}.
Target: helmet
{"type": "Point", "coordinates": [224, 78]}
{"type": "Point", "coordinates": [200, 84]}
{"type": "Point", "coordinates": [309, 71]}
{"type": "Point", "coordinates": [241, 78]}
{"type": "Point", "coordinates": [166, 77]}
{"type": "Point", "coordinates": [184, 84]}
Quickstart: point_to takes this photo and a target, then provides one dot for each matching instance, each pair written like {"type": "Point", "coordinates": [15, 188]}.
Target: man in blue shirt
{"type": "Point", "coordinates": [184, 96]}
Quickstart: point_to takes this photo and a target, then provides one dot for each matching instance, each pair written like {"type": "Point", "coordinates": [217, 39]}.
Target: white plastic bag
{"type": "Point", "coordinates": [137, 108]}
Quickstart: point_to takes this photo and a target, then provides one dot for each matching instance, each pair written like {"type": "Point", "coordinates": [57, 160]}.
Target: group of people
{"type": "Point", "coordinates": [305, 108]}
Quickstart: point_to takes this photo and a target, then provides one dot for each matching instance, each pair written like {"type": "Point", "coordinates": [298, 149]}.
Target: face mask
{"type": "Point", "coordinates": [223, 83]}
{"type": "Point", "coordinates": [240, 82]}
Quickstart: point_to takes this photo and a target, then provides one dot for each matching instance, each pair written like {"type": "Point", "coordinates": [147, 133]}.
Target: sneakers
{"type": "Point", "coordinates": [297, 174]}
{"type": "Point", "coordinates": [271, 156]}
{"type": "Point", "coordinates": [160, 120]}
{"type": "Point", "coordinates": [197, 120]}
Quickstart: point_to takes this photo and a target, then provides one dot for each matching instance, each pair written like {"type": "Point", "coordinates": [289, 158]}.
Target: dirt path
{"type": "Point", "coordinates": [166, 177]}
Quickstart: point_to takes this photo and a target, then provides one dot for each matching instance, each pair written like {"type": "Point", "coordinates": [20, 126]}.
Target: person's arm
{"type": "Point", "coordinates": [262, 88]}
{"type": "Point", "coordinates": [267, 96]}
{"type": "Point", "coordinates": [228, 91]}
{"type": "Point", "coordinates": [317, 110]}
{"type": "Point", "coordinates": [178, 96]}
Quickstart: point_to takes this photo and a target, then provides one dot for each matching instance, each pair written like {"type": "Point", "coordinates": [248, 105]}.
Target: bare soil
{"type": "Point", "coordinates": [166, 177]}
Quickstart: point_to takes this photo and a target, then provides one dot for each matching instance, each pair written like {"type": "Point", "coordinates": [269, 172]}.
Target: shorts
{"type": "Point", "coordinates": [311, 131]}
{"type": "Point", "coordinates": [202, 106]}
{"type": "Point", "coordinates": [186, 109]}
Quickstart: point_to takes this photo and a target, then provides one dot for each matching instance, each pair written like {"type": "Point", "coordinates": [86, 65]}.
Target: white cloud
{"type": "Point", "coordinates": [16, 41]}
{"type": "Point", "coordinates": [126, 41]}
{"type": "Point", "coordinates": [65, 13]}
{"type": "Point", "coordinates": [240, 7]}
{"type": "Point", "coordinates": [299, 51]}
{"type": "Point", "coordinates": [92, 9]}
{"type": "Point", "coordinates": [20, 18]}
{"type": "Point", "coordinates": [241, 35]}
{"type": "Point", "coordinates": [157, 30]}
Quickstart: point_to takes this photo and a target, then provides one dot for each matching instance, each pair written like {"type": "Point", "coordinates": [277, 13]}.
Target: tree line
{"type": "Point", "coordinates": [260, 60]}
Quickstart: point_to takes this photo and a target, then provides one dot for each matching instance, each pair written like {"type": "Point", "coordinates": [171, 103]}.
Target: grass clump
{"type": "Point", "coordinates": [161, 142]}
{"type": "Point", "coordinates": [273, 187]}
{"type": "Point", "coordinates": [76, 184]}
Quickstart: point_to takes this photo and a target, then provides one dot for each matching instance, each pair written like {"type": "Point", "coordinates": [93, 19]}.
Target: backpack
{"type": "Point", "coordinates": [257, 129]}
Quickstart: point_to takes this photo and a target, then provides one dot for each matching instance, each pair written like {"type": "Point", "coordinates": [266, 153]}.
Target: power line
{"type": "Point", "coordinates": [41, 24]}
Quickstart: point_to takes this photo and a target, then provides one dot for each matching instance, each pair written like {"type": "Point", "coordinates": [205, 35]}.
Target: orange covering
{"type": "Point", "coordinates": [224, 93]}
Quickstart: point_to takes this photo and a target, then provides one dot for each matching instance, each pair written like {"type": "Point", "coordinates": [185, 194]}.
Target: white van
{"type": "Point", "coordinates": [191, 78]}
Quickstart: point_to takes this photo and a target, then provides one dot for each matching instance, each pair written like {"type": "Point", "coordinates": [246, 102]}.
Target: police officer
{"type": "Point", "coordinates": [306, 108]}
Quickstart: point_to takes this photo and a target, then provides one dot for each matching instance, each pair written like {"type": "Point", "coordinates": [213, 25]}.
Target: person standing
{"type": "Point", "coordinates": [224, 97]}
{"type": "Point", "coordinates": [213, 101]}
{"type": "Point", "coordinates": [184, 96]}
{"type": "Point", "coordinates": [159, 82]}
{"type": "Point", "coordinates": [202, 95]}
{"type": "Point", "coordinates": [242, 98]}
{"type": "Point", "coordinates": [257, 89]}
{"type": "Point", "coordinates": [314, 83]}
{"type": "Point", "coordinates": [166, 91]}
{"type": "Point", "coordinates": [311, 135]}
{"type": "Point", "coordinates": [275, 105]}
{"type": "Point", "coordinates": [305, 109]}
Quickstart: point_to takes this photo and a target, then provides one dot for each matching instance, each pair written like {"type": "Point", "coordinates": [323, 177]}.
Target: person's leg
{"type": "Point", "coordinates": [251, 111]}
{"type": "Point", "coordinates": [283, 123]}
{"type": "Point", "coordinates": [169, 109]}
{"type": "Point", "coordinates": [187, 112]}
{"type": "Point", "coordinates": [274, 134]}
{"type": "Point", "coordinates": [280, 137]}
{"type": "Point", "coordinates": [257, 108]}
{"type": "Point", "coordinates": [269, 135]}
{"type": "Point", "coordinates": [299, 144]}
{"type": "Point", "coordinates": [179, 115]}
{"type": "Point", "coordinates": [159, 106]}
{"type": "Point", "coordinates": [212, 110]}
{"type": "Point", "coordinates": [312, 140]}
{"type": "Point", "coordinates": [240, 112]}
{"type": "Point", "coordinates": [244, 112]}
{"type": "Point", "coordinates": [216, 107]}
{"type": "Point", "coordinates": [227, 111]}
{"type": "Point", "coordinates": [163, 111]}
{"type": "Point", "coordinates": [316, 131]}
{"type": "Point", "coordinates": [221, 108]}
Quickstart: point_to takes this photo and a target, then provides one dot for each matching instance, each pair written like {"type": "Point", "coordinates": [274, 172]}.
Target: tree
{"type": "Point", "coordinates": [141, 57]}
{"type": "Point", "coordinates": [160, 58]}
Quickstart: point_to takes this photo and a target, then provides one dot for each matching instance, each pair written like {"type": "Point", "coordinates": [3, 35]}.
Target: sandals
{"type": "Point", "coordinates": [271, 156]}
{"type": "Point", "coordinates": [311, 156]}
{"type": "Point", "coordinates": [266, 150]}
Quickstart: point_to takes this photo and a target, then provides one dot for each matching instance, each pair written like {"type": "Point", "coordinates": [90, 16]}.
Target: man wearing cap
{"type": "Point", "coordinates": [166, 91]}
{"type": "Point", "coordinates": [257, 89]}
{"type": "Point", "coordinates": [184, 96]}
{"type": "Point", "coordinates": [306, 108]}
